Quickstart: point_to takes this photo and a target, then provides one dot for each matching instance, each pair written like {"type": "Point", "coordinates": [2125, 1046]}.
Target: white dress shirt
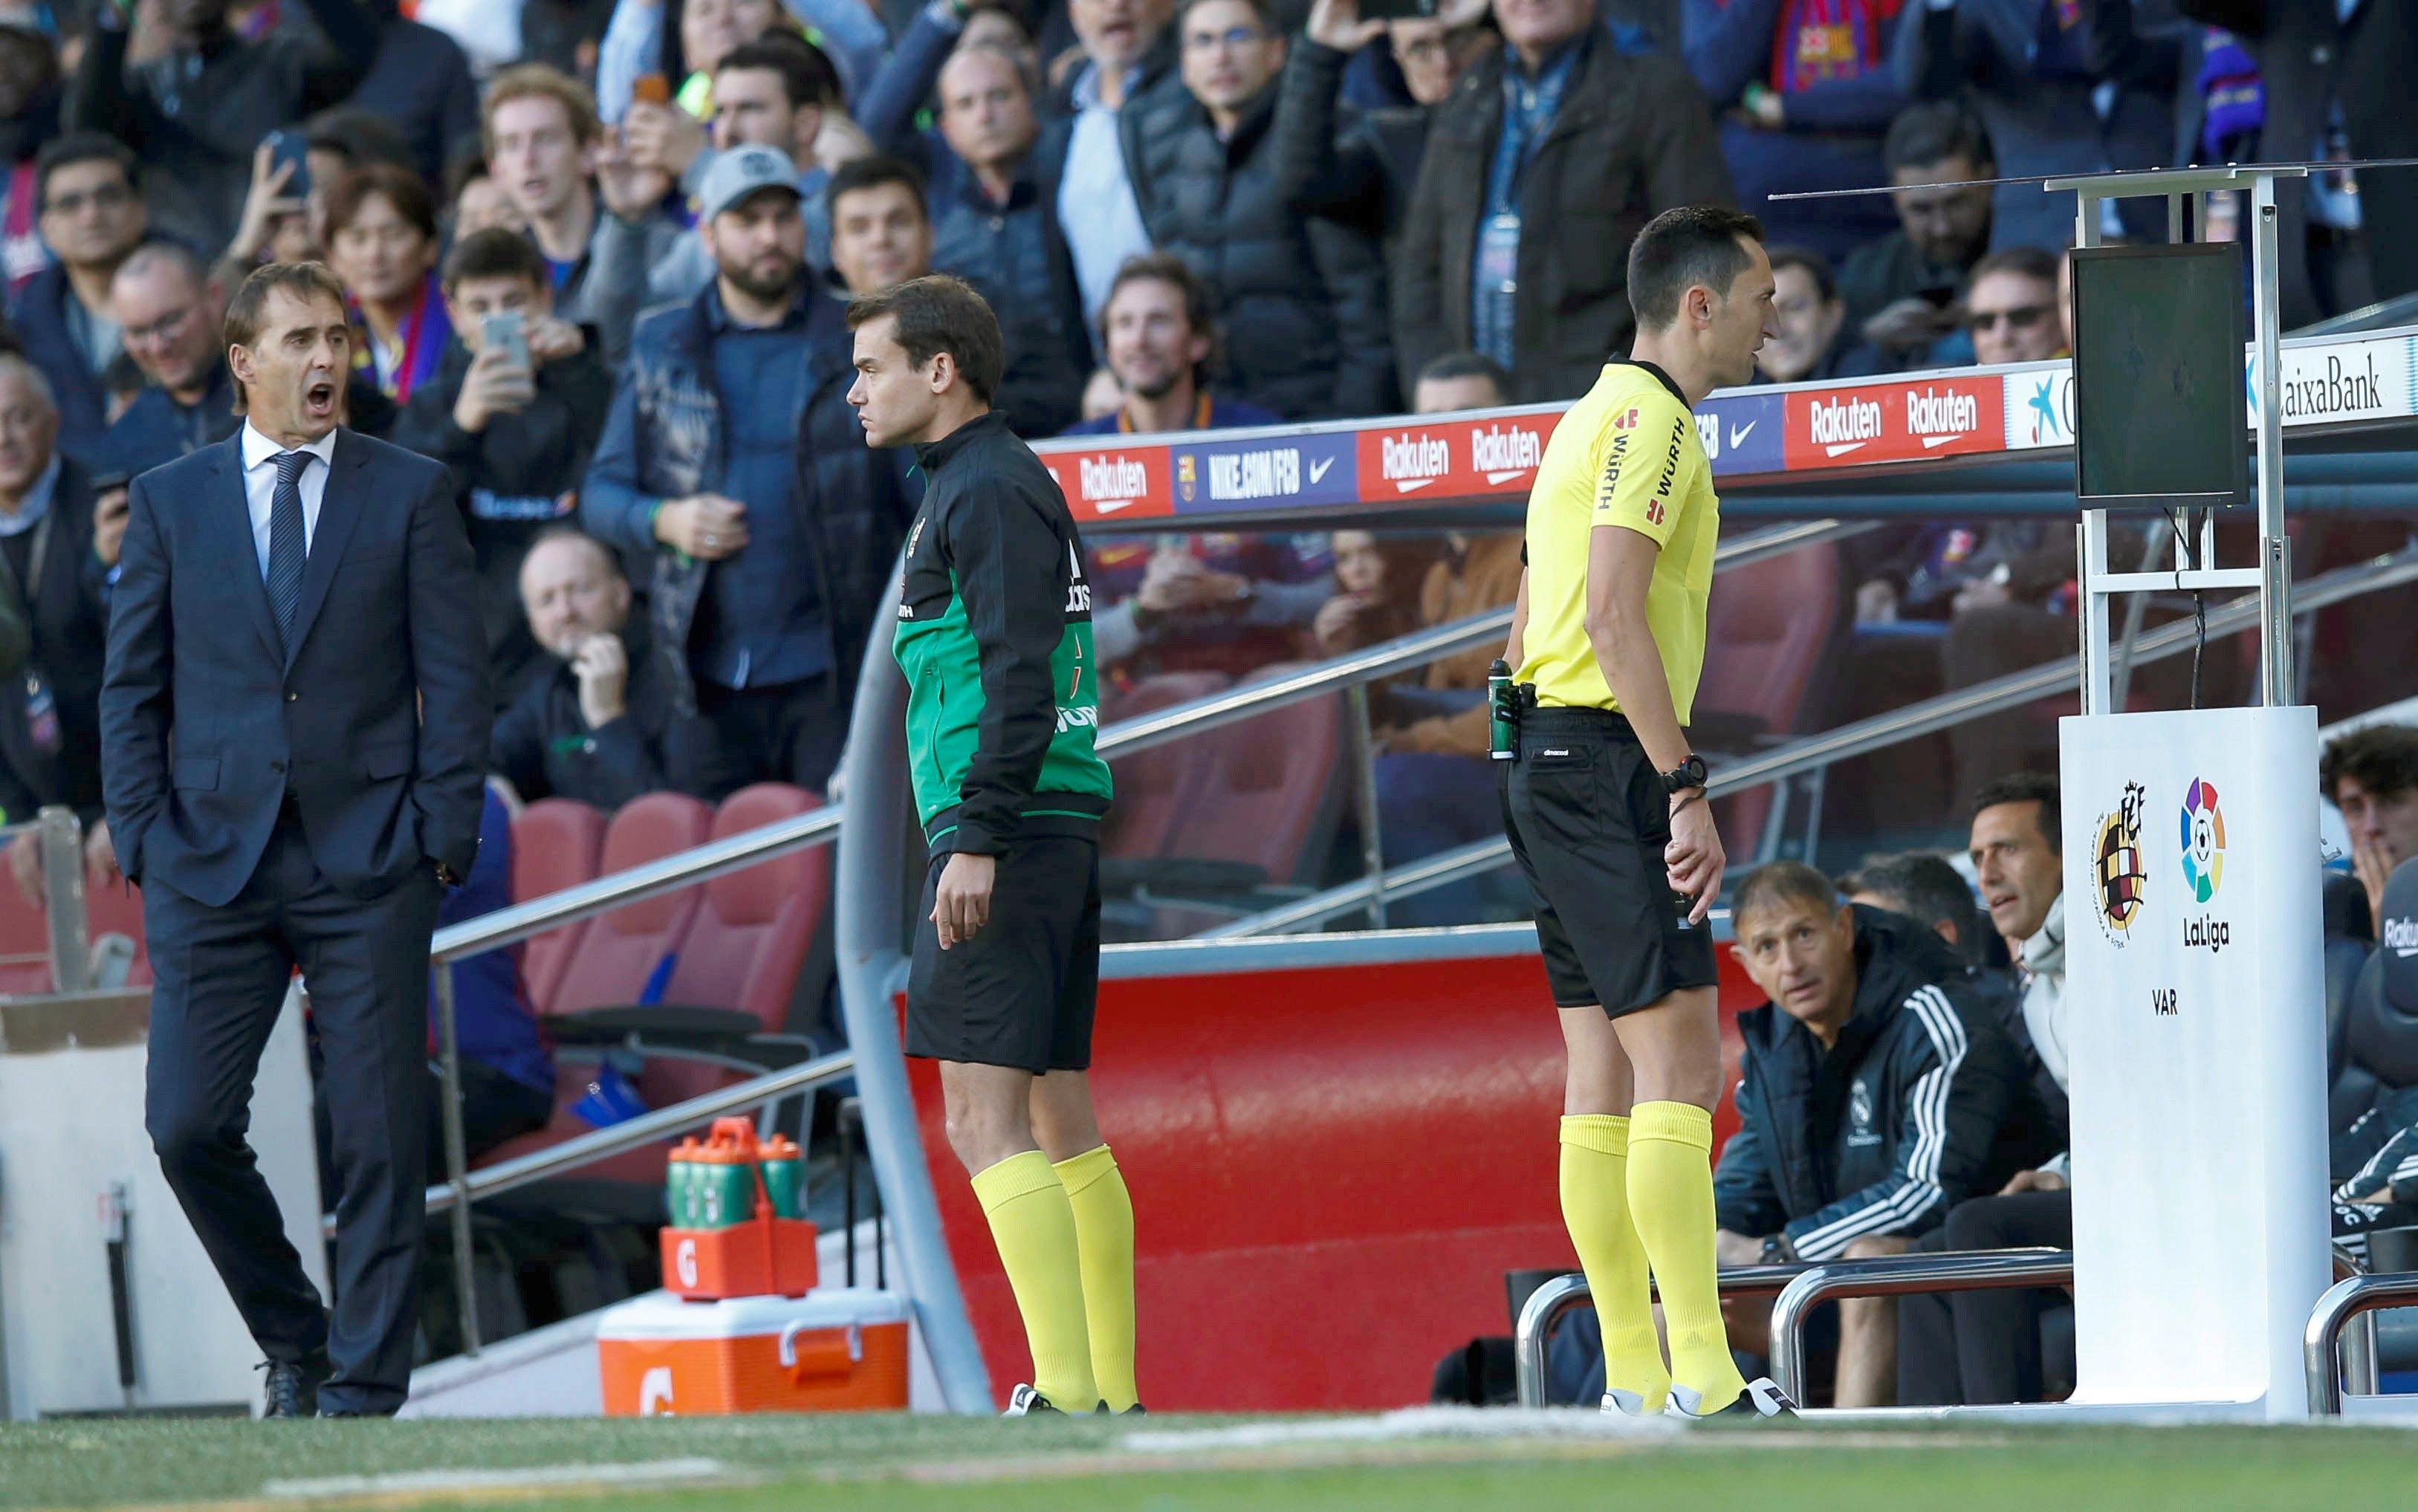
{"type": "Point", "coordinates": [260, 456]}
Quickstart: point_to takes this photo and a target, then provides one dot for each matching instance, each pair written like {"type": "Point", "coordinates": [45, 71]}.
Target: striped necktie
{"type": "Point", "coordinates": [285, 545]}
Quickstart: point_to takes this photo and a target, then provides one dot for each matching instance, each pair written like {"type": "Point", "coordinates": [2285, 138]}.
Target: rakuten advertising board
{"type": "Point", "coordinates": [2195, 1037]}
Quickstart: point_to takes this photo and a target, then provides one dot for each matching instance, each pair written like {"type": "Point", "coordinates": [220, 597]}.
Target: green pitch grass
{"type": "Point", "coordinates": [899, 1465]}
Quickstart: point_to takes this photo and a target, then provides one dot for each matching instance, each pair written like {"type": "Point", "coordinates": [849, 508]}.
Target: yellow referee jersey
{"type": "Point", "coordinates": [1626, 455]}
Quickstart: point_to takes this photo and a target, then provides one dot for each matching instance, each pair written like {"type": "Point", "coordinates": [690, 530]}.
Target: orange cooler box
{"type": "Point", "coordinates": [829, 1352]}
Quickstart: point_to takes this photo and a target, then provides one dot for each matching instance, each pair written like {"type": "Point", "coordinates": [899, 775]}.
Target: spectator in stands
{"type": "Point", "coordinates": [683, 42]}
{"type": "Point", "coordinates": [171, 309]}
{"type": "Point", "coordinates": [600, 726]}
{"type": "Point", "coordinates": [478, 203]}
{"type": "Point", "coordinates": [1127, 48]}
{"type": "Point", "coordinates": [595, 216]}
{"type": "Point", "coordinates": [771, 93]}
{"type": "Point", "coordinates": [1363, 164]}
{"type": "Point", "coordinates": [49, 719]}
{"type": "Point", "coordinates": [1924, 888]}
{"type": "Point", "coordinates": [1301, 297]}
{"type": "Point", "coordinates": [205, 97]}
{"type": "Point", "coordinates": [732, 459]}
{"type": "Point", "coordinates": [2011, 306]}
{"type": "Point", "coordinates": [1160, 339]}
{"type": "Point", "coordinates": [1516, 241]}
{"type": "Point", "coordinates": [382, 242]}
{"type": "Point", "coordinates": [1900, 290]}
{"type": "Point", "coordinates": [1878, 1089]}
{"type": "Point", "coordinates": [29, 116]}
{"type": "Point", "coordinates": [1806, 92]}
{"type": "Point", "coordinates": [516, 436]}
{"type": "Point", "coordinates": [1985, 1347]}
{"type": "Point", "coordinates": [92, 217]}
{"type": "Point", "coordinates": [880, 236]}
{"type": "Point", "coordinates": [1378, 580]}
{"type": "Point", "coordinates": [2371, 777]}
{"type": "Point", "coordinates": [2065, 88]}
{"type": "Point", "coordinates": [420, 84]}
{"type": "Point", "coordinates": [994, 223]}
{"type": "Point", "coordinates": [1814, 343]}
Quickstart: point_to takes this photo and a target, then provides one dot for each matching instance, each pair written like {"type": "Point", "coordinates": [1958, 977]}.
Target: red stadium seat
{"type": "Point", "coordinates": [749, 940]}
{"type": "Point", "coordinates": [621, 950]}
{"type": "Point", "coordinates": [1270, 790]}
{"type": "Point", "coordinates": [557, 843]}
{"type": "Point", "coordinates": [1153, 785]}
{"type": "Point", "coordinates": [24, 945]}
{"type": "Point", "coordinates": [1768, 638]}
{"type": "Point", "coordinates": [114, 908]}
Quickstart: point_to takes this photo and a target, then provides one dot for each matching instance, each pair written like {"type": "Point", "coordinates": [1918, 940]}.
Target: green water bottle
{"type": "Point", "coordinates": [1503, 722]}
{"type": "Point", "coordinates": [785, 1177]}
{"type": "Point", "coordinates": [680, 1184]}
{"type": "Point", "coordinates": [727, 1189]}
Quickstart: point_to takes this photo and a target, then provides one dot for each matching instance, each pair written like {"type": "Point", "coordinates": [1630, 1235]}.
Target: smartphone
{"type": "Point", "coordinates": [651, 89]}
{"type": "Point", "coordinates": [290, 146]}
{"type": "Point", "coordinates": [1397, 10]}
{"type": "Point", "coordinates": [504, 331]}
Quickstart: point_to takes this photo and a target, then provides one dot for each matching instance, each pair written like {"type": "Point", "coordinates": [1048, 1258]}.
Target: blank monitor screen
{"type": "Point", "coordinates": [2161, 415]}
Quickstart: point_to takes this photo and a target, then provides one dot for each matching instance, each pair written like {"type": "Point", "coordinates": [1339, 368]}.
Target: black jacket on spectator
{"type": "Point", "coordinates": [155, 430]}
{"type": "Point", "coordinates": [39, 315]}
{"type": "Point", "coordinates": [1013, 254]}
{"type": "Point", "coordinates": [196, 128]}
{"type": "Point", "coordinates": [544, 747]}
{"type": "Point", "coordinates": [66, 610]}
{"type": "Point", "coordinates": [1300, 299]}
{"type": "Point", "coordinates": [516, 477]}
{"type": "Point", "coordinates": [1633, 139]}
{"type": "Point", "coordinates": [1360, 166]}
{"type": "Point", "coordinates": [1924, 1100]}
{"type": "Point", "coordinates": [421, 84]}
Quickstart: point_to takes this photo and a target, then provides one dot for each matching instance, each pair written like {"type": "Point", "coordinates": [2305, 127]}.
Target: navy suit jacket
{"type": "Point", "coordinates": [376, 720]}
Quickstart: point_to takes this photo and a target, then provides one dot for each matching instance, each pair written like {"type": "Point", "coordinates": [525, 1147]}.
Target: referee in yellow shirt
{"type": "Point", "coordinates": [1605, 805]}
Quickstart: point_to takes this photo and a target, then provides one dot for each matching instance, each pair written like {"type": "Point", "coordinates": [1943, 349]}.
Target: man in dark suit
{"type": "Point", "coordinates": [293, 730]}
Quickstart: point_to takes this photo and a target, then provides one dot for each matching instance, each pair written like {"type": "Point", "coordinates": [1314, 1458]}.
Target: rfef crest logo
{"type": "Point", "coordinates": [2203, 841]}
{"type": "Point", "coordinates": [1626, 419]}
{"type": "Point", "coordinates": [2119, 878]}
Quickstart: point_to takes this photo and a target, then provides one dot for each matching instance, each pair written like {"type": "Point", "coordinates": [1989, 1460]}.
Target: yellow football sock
{"type": "Point", "coordinates": [1595, 1206]}
{"type": "Point", "coordinates": [1104, 1231]}
{"type": "Point", "coordinates": [1671, 1202]}
{"type": "Point", "coordinates": [1035, 1230]}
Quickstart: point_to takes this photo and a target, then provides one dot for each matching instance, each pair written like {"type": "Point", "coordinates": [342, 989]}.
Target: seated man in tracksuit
{"type": "Point", "coordinates": [1881, 1086]}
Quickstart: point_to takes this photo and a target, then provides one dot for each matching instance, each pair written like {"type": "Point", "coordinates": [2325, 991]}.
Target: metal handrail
{"type": "Point", "coordinates": [1897, 1276]}
{"type": "Point", "coordinates": [1861, 738]}
{"type": "Point", "coordinates": [2348, 1300]}
{"type": "Point", "coordinates": [618, 1139]}
{"type": "Point", "coordinates": [1550, 1302]}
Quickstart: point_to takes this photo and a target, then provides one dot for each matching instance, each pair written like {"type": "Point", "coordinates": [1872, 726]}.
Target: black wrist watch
{"type": "Point", "coordinates": [1687, 775]}
{"type": "Point", "coordinates": [1777, 1250]}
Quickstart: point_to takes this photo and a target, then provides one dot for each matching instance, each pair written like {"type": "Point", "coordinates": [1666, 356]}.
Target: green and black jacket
{"type": "Point", "coordinates": [995, 639]}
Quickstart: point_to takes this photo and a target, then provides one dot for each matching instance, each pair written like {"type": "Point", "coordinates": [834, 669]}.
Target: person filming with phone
{"type": "Point", "coordinates": [514, 411]}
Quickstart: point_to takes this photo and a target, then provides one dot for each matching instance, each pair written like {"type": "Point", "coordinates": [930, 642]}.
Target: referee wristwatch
{"type": "Point", "coordinates": [1687, 775]}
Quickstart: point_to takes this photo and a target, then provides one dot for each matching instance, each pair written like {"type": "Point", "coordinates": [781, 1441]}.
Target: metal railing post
{"type": "Point", "coordinates": [2321, 1342]}
{"type": "Point", "coordinates": [61, 844]}
{"type": "Point", "coordinates": [458, 1158]}
{"type": "Point", "coordinates": [1896, 1276]}
{"type": "Point", "coordinates": [1550, 1302]}
{"type": "Point", "coordinates": [1372, 843]}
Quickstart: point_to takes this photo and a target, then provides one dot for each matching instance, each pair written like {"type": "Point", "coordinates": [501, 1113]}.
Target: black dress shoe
{"type": "Point", "coordinates": [292, 1389]}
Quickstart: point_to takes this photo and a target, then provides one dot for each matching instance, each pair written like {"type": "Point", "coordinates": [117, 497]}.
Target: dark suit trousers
{"type": "Point", "coordinates": [1981, 1348]}
{"type": "Point", "coordinates": [220, 977]}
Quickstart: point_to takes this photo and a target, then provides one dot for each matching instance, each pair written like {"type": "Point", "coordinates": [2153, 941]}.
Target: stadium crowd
{"type": "Point", "coordinates": [597, 250]}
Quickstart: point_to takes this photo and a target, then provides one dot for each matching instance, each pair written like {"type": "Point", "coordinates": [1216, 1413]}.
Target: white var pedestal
{"type": "Point", "coordinates": [2197, 1034]}
{"type": "Point", "coordinates": [71, 1128]}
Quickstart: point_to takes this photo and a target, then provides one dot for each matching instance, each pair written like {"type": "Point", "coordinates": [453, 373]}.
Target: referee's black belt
{"type": "Point", "coordinates": [1558, 721]}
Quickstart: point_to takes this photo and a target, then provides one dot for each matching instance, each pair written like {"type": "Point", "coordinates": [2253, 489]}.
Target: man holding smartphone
{"type": "Point", "coordinates": [1605, 810]}
{"type": "Point", "coordinates": [513, 411]}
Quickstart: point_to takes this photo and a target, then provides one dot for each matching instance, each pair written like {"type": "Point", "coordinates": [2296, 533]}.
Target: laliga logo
{"type": "Point", "coordinates": [2203, 841]}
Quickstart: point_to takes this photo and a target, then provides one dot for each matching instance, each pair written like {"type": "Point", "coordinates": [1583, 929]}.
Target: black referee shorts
{"type": "Point", "coordinates": [1020, 993]}
{"type": "Point", "coordinates": [1587, 818]}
